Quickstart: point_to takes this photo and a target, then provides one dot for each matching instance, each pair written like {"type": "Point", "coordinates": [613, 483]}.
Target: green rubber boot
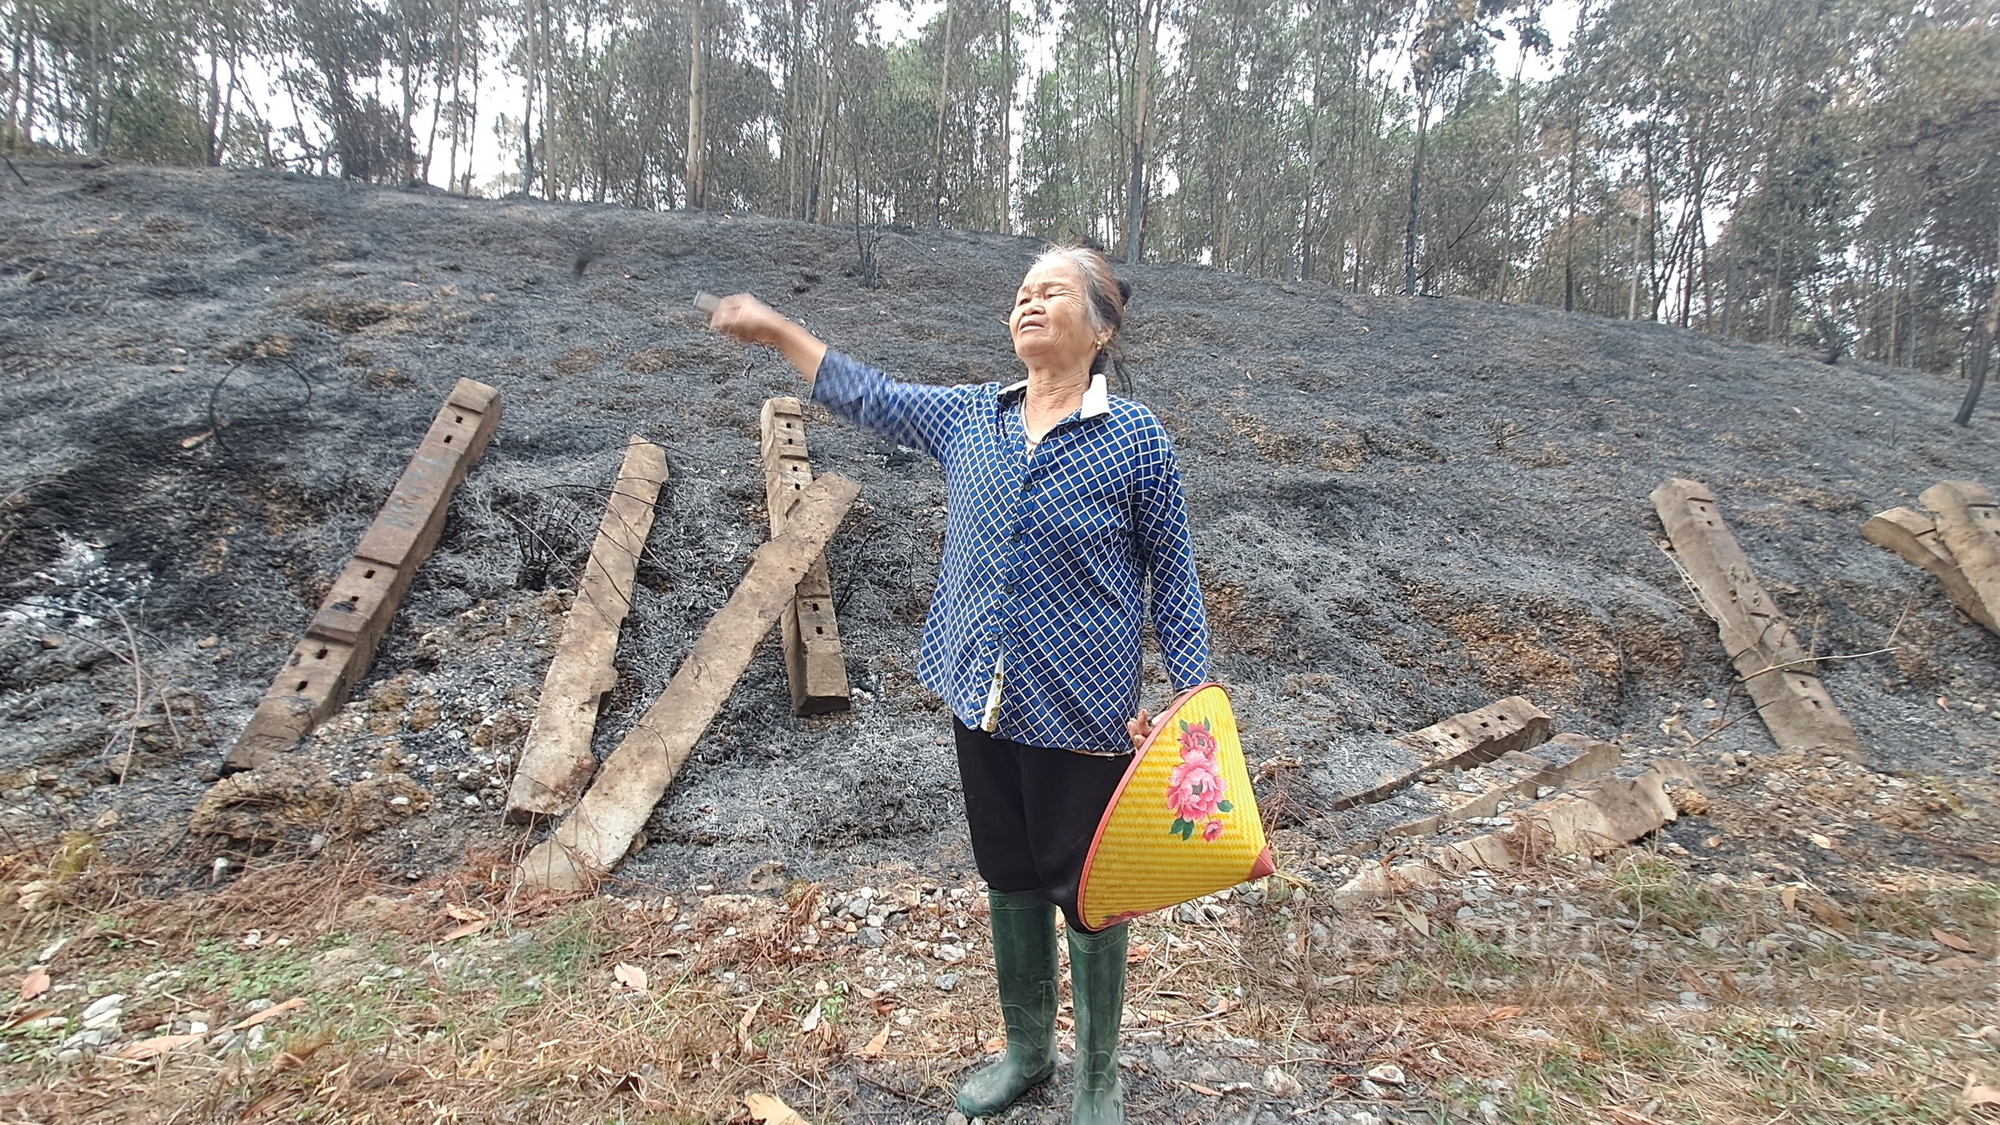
{"type": "Point", "coordinates": [1097, 987]}
{"type": "Point", "coordinates": [1024, 958]}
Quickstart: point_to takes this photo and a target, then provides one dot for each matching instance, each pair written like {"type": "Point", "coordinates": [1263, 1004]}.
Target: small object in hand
{"type": "Point", "coordinates": [707, 302]}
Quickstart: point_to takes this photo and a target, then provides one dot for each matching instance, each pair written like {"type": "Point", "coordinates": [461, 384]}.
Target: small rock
{"type": "Point", "coordinates": [949, 954]}
{"type": "Point", "coordinates": [1489, 1111]}
{"type": "Point", "coordinates": [1389, 1074]}
{"type": "Point", "coordinates": [106, 1011]}
{"type": "Point", "coordinates": [1162, 1061]}
{"type": "Point", "coordinates": [1280, 1084]}
{"type": "Point", "coordinates": [945, 982]}
{"type": "Point", "coordinates": [1544, 903]}
{"type": "Point", "coordinates": [955, 1118]}
{"type": "Point", "coordinates": [1693, 1002]}
{"type": "Point", "coordinates": [1368, 1089]}
{"type": "Point", "coordinates": [1574, 913]}
{"type": "Point", "coordinates": [255, 1041]}
{"type": "Point", "coordinates": [259, 1004]}
{"type": "Point", "coordinates": [872, 937]}
{"type": "Point", "coordinates": [69, 1055]}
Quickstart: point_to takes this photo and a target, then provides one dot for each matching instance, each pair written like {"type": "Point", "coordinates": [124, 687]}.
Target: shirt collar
{"type": "Point", "coordinates": [1096, 397]}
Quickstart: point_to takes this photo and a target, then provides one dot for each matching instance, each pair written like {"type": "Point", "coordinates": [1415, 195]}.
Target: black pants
{"type": "Point", "coordinates": [1033, 812]}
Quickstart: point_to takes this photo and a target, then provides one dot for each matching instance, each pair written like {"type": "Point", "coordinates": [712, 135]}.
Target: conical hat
{"type": "Point", "coordinates": [1183, 822]}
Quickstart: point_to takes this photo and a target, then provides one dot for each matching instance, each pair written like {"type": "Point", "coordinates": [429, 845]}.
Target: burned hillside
{"type": "Point", "coordinates": [1404, 509]}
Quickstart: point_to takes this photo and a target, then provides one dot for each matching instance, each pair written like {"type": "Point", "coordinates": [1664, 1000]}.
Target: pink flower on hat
{"type": "Point", "coordinates": [1196, 790]}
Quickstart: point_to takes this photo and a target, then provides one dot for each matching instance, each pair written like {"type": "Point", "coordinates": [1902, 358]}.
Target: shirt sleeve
{"type": "Point", "coordinates": [1166, 554]}
{"type": "Point", "coordinates": [914, 415]}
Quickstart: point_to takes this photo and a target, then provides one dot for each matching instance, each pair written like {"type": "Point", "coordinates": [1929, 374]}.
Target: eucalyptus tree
{"type": "Point", "coordinates": [1451, 39]}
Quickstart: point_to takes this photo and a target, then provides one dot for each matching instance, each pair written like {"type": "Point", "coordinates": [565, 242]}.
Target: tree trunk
{"type": "Point", "coordinates": [212, 140]}
{"type": "Point", "coordinates": [406, 64]}
{"type": "Point", "coordinates": [550, 189]}
{"type": "Point", "coordinates": [1416, 193]}
{"type": "Point", "coordinates": [1982, 349]}
{"type": "Point", "coordinates": [1006, 216]}
{"type": "Point", "coordinates": [528, 136]}
{"type": "Point", "coordinates": [937, 146]}
{"type": "Point", "coordinates": [1569, 223]}
{"type": "Point", "coordinates": [16, 69]}
{"type": "Point", "coordinates": [1632, 306]}
{"type": "Point", "coordinates": [228, 110]}
{"type": "Point", "coordinates": [1135, 194]}
{"type": "Point", "coordinates": [1653, 288]}
{"type": "Point", "coordinates": [697, 132]}
{"type": "Point", "coordinates": [471, 132]}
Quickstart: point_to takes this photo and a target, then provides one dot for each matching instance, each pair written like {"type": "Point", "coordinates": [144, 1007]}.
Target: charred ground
{"type": "Point", "coordinates": [1403, 509]}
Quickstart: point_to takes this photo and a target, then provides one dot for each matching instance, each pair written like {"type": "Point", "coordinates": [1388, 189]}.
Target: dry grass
{"type": "Point", "coordinates": [1511, 1013]}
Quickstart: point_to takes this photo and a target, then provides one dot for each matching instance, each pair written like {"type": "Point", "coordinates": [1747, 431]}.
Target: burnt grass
{"type": "Point", "coordinates": [1403, 509]}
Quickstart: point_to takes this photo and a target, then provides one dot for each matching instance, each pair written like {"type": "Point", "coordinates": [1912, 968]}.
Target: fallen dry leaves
{"type": "Point", "coordinates": [1944, 937]}
{"type": "Point", "coordinates": [35, 983]}
{"type": "Point", "coordinates": [745, 1045]}
{"type": "Point", "coordinates": [270, 1013]}
{"type": "Point", "coordinates": [158, 1045]}
{"type": "Point", "coordinates": [772, 1110]}
{"type": "Point", "coordinates": [873, 1048]}
{"type": "Point", "coordinates": [631, 976]}
{"type": "Point", "coordinates": [29, 1016]}
{"type": "Point", "coordinates": [470, 921]}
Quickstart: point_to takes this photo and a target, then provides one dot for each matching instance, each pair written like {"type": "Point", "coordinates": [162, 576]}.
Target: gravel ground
{"type": "Point", "coordinates": [1403, 509]}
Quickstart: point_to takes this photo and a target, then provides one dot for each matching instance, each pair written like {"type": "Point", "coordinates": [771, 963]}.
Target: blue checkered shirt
{"type": "Point", "coordinates": [1046, 554]}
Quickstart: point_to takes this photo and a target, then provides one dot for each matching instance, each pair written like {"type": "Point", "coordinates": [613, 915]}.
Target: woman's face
{"type": "Point", "coordinates": [1051, 318]}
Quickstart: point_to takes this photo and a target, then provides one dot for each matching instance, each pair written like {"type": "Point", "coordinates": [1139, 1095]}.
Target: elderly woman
{"type": "Point", "coordinates": [1064, 505]}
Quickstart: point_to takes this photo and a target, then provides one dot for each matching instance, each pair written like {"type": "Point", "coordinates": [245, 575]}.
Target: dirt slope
{"type": "Point", "coordinates": [1404, 508]}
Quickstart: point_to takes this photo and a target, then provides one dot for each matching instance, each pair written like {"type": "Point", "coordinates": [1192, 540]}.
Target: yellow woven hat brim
{"type": "Point", "coordinates": [1183, 822]}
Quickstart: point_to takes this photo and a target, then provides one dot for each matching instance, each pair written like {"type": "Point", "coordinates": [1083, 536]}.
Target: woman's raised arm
{"type": "Point", "coordinates": [918, 416]}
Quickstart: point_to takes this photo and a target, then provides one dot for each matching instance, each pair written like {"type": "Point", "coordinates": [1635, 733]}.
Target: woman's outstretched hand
{"type": "Point", "coordinates": [1139, 728]}
{"type": "Point", "coordinates": [748, 320]}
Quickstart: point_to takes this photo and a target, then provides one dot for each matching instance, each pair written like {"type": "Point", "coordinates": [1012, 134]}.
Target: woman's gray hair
{"type": "Point", "coordinates": [1104, 293]}
{"type": "Point", "coordinates": [1105, 297]}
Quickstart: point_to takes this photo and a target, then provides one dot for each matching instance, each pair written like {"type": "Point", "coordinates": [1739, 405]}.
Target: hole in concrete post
{"type": "Point", "coordinates": [369, 573]}
{"type": "Point", "coordinates": [320, 655]}
{"type": "Point", "coordinates": [448, 437]}
{"type": "Point", "coordinates": [302, 685]}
